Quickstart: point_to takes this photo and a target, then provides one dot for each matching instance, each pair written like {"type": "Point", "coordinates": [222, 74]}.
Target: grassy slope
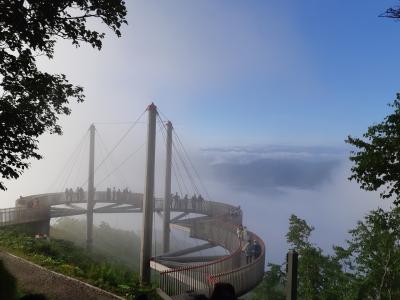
{"type": "Point", "coordinates": [117, 245]}
{"type": "Point", "coordinates": [67, 258]}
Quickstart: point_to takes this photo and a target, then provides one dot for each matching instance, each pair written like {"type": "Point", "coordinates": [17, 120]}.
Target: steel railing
{"type": "Point", "coordinates": [18, 215]}
{"type": "Point", "coordinates": [245, 278]}
{"type": "Point", "coordinates": [196, 277]}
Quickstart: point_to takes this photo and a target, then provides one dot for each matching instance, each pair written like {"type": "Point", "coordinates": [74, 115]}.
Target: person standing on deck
{"type": "Point", "coordinates": [239, 232]}
{"type": "Point", "coordinates": [248, 250]}
{"type": "Point", "coordinates": [256, 249]}
{"type": "Point", "coordinates": [245, 234]}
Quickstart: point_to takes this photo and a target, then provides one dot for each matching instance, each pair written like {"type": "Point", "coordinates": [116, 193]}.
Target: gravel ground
{"type": "Point", "coordinates": [36, 279]}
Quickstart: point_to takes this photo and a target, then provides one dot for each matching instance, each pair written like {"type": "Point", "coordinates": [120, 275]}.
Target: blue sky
{"type": "Point", "coordinates": [340, 76]}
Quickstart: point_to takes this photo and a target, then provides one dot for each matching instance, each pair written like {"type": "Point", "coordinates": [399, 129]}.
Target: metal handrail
{"type": "Point", "coordinates": [197, 277]}
{"type": "Point", "coordinates": [201, 279]}
{"type": "Point", "coordinates": [202, 265]}
{"type": "Point", "coordinates": [17, 215]}
{"type": "Point", "coordinates": [246, 277]}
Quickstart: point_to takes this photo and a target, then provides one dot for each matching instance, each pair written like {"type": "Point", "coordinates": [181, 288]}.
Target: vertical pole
{"type": "Point", "coordinates": [90, 202]}
{"type": "Point", "coordinates": [148, 201]}
{"type": "Point", "coordinates": [291, 288]}
{"type": "Point", "coordinates": [167, 191]}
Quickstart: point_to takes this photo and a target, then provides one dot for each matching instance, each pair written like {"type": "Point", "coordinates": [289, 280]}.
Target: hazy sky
{"type": "Point", "coordinates": [297, 76]}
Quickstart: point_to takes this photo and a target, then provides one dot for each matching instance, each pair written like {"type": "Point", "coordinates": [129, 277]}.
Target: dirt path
{"type": "Point", "coordinates": [36, 279]}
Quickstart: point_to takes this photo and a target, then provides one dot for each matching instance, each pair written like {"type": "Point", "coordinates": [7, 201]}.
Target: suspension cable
{"type": "Point", "coordinates": [117, 144]}
{"type": "Point", "coordinates": [121, 164]}
{"type": "Point", "coordinates": [192, 165]}
{"type": "Point", "coordinates": [174, 171]}
{"type": "Point", "coordinates": [79, 167]}
{"type": "Point", "coordinates": [68, 162]}
{"type": "Point", "coordinates": [175, 164]}
{"type": "Point", "coordinates": [73, 165]}
{"type": "Point", "coordinates": [163, 129]}
{"type": "Point", "coordinates": [120, 175]}
{"type": "Point", "coordinates": [191, 180]}
{"type": "Point", "coordinates": [185, 157]}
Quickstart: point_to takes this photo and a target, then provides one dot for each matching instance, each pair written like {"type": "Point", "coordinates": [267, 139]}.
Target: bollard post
{"type": "Point", "coordinates": [291, 286]}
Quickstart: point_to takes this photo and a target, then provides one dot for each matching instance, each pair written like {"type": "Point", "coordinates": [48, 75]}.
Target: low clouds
{"type": "Point", "coordinates": [272, 182]}
{"type": "Point", "coordinates": [274, 168]}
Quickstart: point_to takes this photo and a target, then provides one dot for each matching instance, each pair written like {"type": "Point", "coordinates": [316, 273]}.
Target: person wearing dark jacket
{"type": "Point", "coordinates": [256, 249]}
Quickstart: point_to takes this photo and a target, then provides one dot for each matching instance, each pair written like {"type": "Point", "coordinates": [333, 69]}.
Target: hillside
{"type": "Point", "coordinates": [66, 258]}
{"type": "Point", "coordinates": [117, 245]}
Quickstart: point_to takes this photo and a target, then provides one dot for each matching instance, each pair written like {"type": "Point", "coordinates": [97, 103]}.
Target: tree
{"type": "Point", "coordinates": [272, 286]}
{"type": "Point", "coordinates": [310, 258]}
{"type": "Point", "coordinates": [319, 276]}
{"type": "Point", "coordinates": [31, 101]}
{"type": "Point", "coordinates": [375, 254]}
{"type": "Point", "coordinates": [377, 159]}
{"type": "Point", "coordinates": [392, 13]}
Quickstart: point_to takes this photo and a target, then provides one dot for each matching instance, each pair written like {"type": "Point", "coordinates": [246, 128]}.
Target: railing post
{"type": "Point", "coordinates": [291, 286]}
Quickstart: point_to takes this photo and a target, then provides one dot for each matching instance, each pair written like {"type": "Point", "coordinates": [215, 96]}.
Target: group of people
{"type": "Point", "coordinates": [77, 195]}
{"type": "Point", "coordinates": [112, 195]}
{"type": "Point", "coordinates": [195, 202]}
{"type": "Point", "coordinates": [115, 195]}
{"type": "Point", "coordinates": [252, 248]}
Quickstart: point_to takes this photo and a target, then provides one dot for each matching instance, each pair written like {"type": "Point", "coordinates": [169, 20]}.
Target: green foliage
{"type": "Point", "coordinates": [299, 233]}
{"type": "Point", "coordinates": [31, 101]}
{"type": "Point", "coordinates": [117, 245]}
{"type": "Point", "coordinates": [377, 159]}
{"type": "Point", "coordinates": [374, 254]}
{"type": "Point", "coordinates": [368, 268]}
{"type": "Point", "coordinates": [66, 258]}
{"type": "Point", "coordinates": [272, 286]}
{"type": "Point", "coordinates": [320, 276]}
{"type": "Point", "coordinates": [312, 262]}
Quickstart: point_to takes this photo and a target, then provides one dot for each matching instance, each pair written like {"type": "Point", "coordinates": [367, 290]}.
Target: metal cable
{"type": "Point", "coordinates": [117, 144]}
{"type": "Point", "coordinates": [175, 167]}
{"type": "Point", "coordinates": [64, 169]}
{"type": "Point", "coordinates": [73, 166]}
{"type": "Point", "coordinates": [122, 163]}
{"type": "Point", "coordinates": [85, 149]}
{"type": "Point", "coordinates": [192, 165]}
{"type": "Point", "coordinates": [189, 175]}
{"type": "Point", "coordinates": [121, 176]}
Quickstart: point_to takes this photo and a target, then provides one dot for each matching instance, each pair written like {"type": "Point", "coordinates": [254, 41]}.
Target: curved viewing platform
{"type": "Point", "coordinates": [214, 222]}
